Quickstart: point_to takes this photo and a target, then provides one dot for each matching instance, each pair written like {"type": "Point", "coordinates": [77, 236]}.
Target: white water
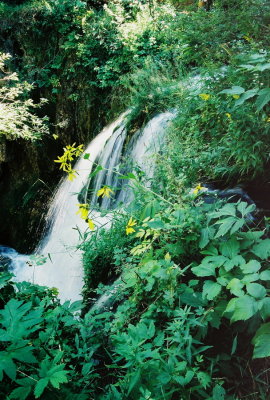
{"type": "Point", "coordinates": [63, 268]}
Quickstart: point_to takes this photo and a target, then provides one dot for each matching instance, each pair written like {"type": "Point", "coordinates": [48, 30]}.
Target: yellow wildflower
{"type": "Point", "coordinates": [71, 174]}
{"type": "Point", "coordinates": [247, 38]}
{"type": "Point", "coordinates": [129, 226]}
{"type": "Point", "coordinates": [236, 96]}
{"type": "Point", "coordinates": [228, 115]}
{"type": "Point", "coordinates": [205, 96]}
{"type": "Point", "coordinates": [83, 210]}
{"type": "Point", "coordinates": [268, 119]}
{"type": "Point", "coordinates": [105, 192]}
{"type": "Point", "coordinates": [198, 189]}
{"type": "Point", "coordinates": [90, 224]}
{"type": "Point", "coordinates": [70, 152]}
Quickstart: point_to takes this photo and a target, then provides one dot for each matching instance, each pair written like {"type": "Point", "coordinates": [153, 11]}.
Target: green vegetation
{"type": "Point", "coordinates": [188, 316]}
{"type": "Point", "coordinates": [16, 117]}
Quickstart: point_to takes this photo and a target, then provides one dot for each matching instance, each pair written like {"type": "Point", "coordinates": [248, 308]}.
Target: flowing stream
{"type": "Point", "coordinates": [63, 266]}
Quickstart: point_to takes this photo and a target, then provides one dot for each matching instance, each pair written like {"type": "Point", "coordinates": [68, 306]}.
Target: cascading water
{"type": "Point", "coordinates": [63, 268]}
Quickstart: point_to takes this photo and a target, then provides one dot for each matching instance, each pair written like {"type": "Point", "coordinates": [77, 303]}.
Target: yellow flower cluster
{"type": "Point", "coordinates": [129, 227]}
{"type": "Point", "coordinates": [70, 152]}
{"type": "Point", "coordinates": [199, 188]}
{"type": "Point", "coordinates": [84, 212]}
{"type": "Point", "coordinates": [205, 96]}
{"type": "Point", "coordinates": [105, 192]}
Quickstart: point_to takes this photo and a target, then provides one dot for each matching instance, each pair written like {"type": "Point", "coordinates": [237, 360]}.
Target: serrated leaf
{"type": "Point", "coordinates": [263, 98]}
{"type": "Point", "coordinates": [262, 249]}
{"type": "Point", "coordinates": [58, 377]}
{"type": "Point", "coordinates": [219, 393]}
{"type": "Point", "coordinates": [21, 393]}
{"type": "Point", "coordinates": [40, 387]}
{"type": "Point", "coordinates": [235, 286]}
{"type": "Point", "coordinates": [261, 342]}
{"type": "Point", "coordinates": [204, 270]}
{"type": "Point", "coordinates": [250, 267]}
{"type": "Point", "coordinates": [230, 248]}
{"type": "Point", "coordinates": [256, 290]}
{"type": "Point", "coordinates": [211, 289]}
{"type": "Point", "coordinates": [234, 262]}
{"type": "Point", "coordinates": [244, 308]}
{"type": "Point", "coordinates": [225, 226]}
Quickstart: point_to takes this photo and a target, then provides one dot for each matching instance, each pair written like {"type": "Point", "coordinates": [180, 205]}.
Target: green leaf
{"type": "Point", "coordinates": [204, 270]}
{"type": "Point", "coordinates": [7, 365]}
{"type": "Point", "coordinates": [58, 377]}
{"type": "Point", "coordinates": [265, 275]}
{"type": "Point", "coordinates": [234, 262]}
{"type": "Point", "coordinates": [247, 95]}
{"type": "Point", "coordinates": [233, 90]}
{"type": "Point", "coordinates": [234, 345]}
{"type": "Point", "coordinates": [248, 278]}
{"type": "Point", "coordinates": [235, 286]}
{"type": "Point", "coordinates": [4, 279]}
{"type": "Point", "coordinates": [21, 393]}
{"type": "Point", "coordinates": [230, 248]}
{"type": "Point", "coordinates": [218, 393]}
{"type": "Point", "coordinates": [96, 171]}
{"type": "Point", "coordinates": [86, 156]}
{"type": "Point", "coordinates": [225, 225]}
{"type": "Point", "coordinates": [156, 224]}
{"type": "Point", "coordinates": [261, 342]}
{"type": "Point", "coordinates": [211, 289]}
{"type": "Point", "coordinates": [264, 307]}
{"type": "Point", "coordinates": [204, 379]}
{"type": "Point", "coordinates": [263, 98]}
{"type": "Point", "coordinates": [134, 381]}
{"type": "Point", "coordinates": [251, 267]}
{"type": "Point", "coordinates": [262, 249]}
{"type": "Point", "coordinates": [256, 290]}
{"type": "Point", "coordinates": [243, 308]}
{"type": "Point", "coordinates": [40, 387]}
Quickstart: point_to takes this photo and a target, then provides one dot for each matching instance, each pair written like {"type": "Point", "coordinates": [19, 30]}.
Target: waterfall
{"type": "Point", "coordinates": [63, 267]}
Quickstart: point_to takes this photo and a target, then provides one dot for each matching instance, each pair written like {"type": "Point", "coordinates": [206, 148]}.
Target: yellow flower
{"type": "Point", "coordinates": [268, 119]}
{"type": "Point", "coordinates": [71, 175]}
{"type": "Point", "coordinates": [198, 189]}
{"type": "Point", "coordinates": [129, 226]}
{"type": "Point", "coordinates": [247, 38]}
{"type": "Point", "coordinates": [200, 4]}
{"type": "Point", "coordinates": [104, 192]}
{"type": "Point", "coordinates": [90, 224]}
{"type": "Point", "coordinates": [205, 96]}
{"type": "Point", "coordinates": [228, 115]}
{"type": "Point", "coordinates": [236, 96]}
{"type": "Point", "coordinates": [83, 210]}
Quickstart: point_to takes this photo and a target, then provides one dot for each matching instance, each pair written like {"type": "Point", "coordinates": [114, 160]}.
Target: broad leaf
{"type": "Point", "coordinates": [263, 98]}
{"type": "Point", "coordinates": [262, 249]}
{"type": "Point", "coordinates": [242, 308]}
{"type": "Point", "coordinates": [211, 289]}
{"type": "Point", "coordinates": [245, 96]}
{"type": "Point", "coordinates": [256, 290]}
{"type": "Point", "coordinates": [233, 90]}
{"type": "Point", "coordinates": [235, 286]}
{"type": "Point", "coordinates": [261, 342]}
{"type": "Point", "coordinates": [251, 267]}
